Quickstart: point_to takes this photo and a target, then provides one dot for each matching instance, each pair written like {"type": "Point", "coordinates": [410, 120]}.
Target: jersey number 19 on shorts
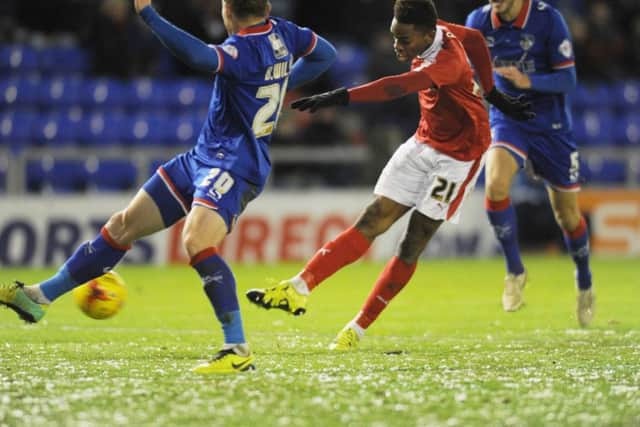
{"type": "Point", "coordinates": [218, 183]}
{"type": "Point", "coordinates": [274, 94]}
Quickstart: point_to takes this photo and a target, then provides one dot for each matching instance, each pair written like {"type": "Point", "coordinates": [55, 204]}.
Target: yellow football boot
{"type": "Point", "coordinates": [226, 362]}
{"type": "Point", "coordinates": [283, 296]}
{"type": "Point", "coordinates": [346, 340]}
{"type": "Point", "coordinates": [14, 297]}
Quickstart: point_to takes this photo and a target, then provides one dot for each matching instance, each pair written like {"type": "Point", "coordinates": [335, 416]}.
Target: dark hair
{"type": "Point", "coordinates": [247, 8]}
{"type": "Point", "coordinates": [421, 13]}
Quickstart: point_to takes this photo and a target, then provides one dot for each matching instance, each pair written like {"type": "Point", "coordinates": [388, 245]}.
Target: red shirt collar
{"type": "Point", "coordinates": [256, 29]}
{"type": "Point", "coordinates": [521, 20]}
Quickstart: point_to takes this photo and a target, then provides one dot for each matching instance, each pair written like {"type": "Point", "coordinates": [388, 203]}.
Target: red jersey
{"type": "Point", "coordinates": [453, 118]}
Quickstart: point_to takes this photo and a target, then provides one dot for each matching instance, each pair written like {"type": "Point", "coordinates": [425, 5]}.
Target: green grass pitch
{"type": "Point", "coordinates": [443, 353]}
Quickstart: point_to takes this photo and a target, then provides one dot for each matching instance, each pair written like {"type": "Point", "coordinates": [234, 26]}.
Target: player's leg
{"type": "Point", "coordinates": [391, 281]}
{"type": "Point", "coordinates": [351, 244]}
{"type": "Point", "coordinates": [161, 202]}
{"type": "Point", "coordinates": [398, 186]}
{"type": "Point", "coordinates": [203, 231]}
{"type": "Point", "coordinates": [555, 158]}
{"type": "Point", "coordinates": [291, 295]}
{"type": "Point", "coordinates": [502, 166]}
{"type": "Point", "coordinates": [90, 260]}
{"type": "Point", "coordinates": [219, 198]}
{"type": "Point", "coordinates": [576, 237]}
{"type": "Point", "coordinates": [446, 183]}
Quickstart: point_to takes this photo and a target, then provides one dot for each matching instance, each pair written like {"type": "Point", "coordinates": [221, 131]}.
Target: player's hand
{"type": "Point", "coordinates": [515, 76]}
{"type": "Point", "coordinates": [141, 4]}
{"type": "Point", "coordinates": [514, 107]}
{"type": "Point", "coordinates": [322, 100]}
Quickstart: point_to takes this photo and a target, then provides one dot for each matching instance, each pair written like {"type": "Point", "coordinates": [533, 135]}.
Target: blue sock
{"type": "Point", "coordinates": [502, 217]}
{"type": "Point", "coordinates": [90, 260]}
{"type": "Point", "coordinates": [577, 243]}
{"type": "Point", "coordinates": [220, 287]}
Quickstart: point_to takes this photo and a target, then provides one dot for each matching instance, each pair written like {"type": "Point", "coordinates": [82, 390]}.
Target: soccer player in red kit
{"type": "Point", "coordinates": [431, 173]}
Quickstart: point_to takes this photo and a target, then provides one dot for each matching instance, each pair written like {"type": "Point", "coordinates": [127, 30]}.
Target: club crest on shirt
{"type": "Point", "coordinates": [491, 41]}
{"type": "Point", "coordinates": [231, 50]}
{"type": "Point", "coordinates": [565, 48]}
{"type": "Point", "coordinates": [527, 41]}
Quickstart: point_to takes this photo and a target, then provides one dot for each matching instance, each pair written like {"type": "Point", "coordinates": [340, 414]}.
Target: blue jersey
{"type": "Point", "coordinates": [248, 92]}
{"type": "Point", "coordinates": [537, 42]}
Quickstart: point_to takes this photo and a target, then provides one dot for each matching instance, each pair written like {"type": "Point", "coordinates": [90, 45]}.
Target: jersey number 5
{"type": "Point", "coordinates": [274, 94]}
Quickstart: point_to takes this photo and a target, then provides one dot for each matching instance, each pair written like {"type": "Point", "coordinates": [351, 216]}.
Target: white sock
{"type": "Point", "coordinates": [239, 349]}
{"type": "Point", "coordinates": [35, 293]}
{"type": "Point", "coordinates": [300, 285]}
{"type": "Point", "coordinates": [353, 325]}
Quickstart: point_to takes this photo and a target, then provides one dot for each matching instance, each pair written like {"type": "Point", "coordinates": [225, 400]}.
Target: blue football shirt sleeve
{"type": "Point", "coordinates": [471, 21]}
{"type": "Point", "coordinates": [189, 49]}
{"type": "Point", "coordinates": [312, 65]}
{"type": "Point", "coordinates": [232, 61]}
{"type": "Point", "coordinates": [560, 43]}
{"type": "Point", "coordinates": [561, 58]}
{"type": "Point", "coordinates": [303, 40]}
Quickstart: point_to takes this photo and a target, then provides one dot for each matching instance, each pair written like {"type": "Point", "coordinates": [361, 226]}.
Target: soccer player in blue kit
{"type": "Point", "coordinates": [211, 184]}
{"type": "Point", "coordinates": [533, 57]}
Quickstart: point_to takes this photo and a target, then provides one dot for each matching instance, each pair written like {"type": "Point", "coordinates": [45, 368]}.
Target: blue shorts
{"type": "Point", "coordinates": [185, 181]}
{"type": "Point", "coordinates": [553, 156]}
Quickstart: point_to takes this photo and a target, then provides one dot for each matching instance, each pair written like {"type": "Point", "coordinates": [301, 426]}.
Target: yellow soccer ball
{"type": "Point", "coordinates": [102, 297]}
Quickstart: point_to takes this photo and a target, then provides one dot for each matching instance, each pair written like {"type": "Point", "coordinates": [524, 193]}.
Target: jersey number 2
{"type": "Point", "coordinates": [274, 94]}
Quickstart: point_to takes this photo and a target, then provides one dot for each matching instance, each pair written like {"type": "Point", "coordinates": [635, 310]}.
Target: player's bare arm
{"type": "Point", "coordinates": [515, 76]}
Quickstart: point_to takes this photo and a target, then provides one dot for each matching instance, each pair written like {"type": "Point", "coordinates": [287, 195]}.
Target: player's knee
{"type": "Point", "coordinates": [568, 217]}
{"type": "Point", "coordinates": [420, 231]}
{"type": "Point", "coordinates": [496, 189]}
{"type": "Point", "coordinates": [119, 228]}
{"type": "Point", "coordinates": [372, 223]}
{"type": "Point", "coordinates": [194, 242]}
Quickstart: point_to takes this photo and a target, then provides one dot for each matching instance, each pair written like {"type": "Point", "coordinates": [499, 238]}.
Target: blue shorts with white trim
{"type": "Point", "coordinates": [185, 181]}
{"type": "Point", "coordinates": [553, 156]}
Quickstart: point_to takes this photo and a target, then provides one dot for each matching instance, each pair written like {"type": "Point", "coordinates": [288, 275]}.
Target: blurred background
{"type": "Point", "coordinates": [91, 104]}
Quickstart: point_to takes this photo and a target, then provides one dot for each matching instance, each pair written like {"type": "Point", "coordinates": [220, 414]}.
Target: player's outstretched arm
{"type": "Point", "coordinates": [311, 66]}
{"type": "Point", "coordinates": [189, 49]}
{"type": "Point", "coordinates": [381, 90]}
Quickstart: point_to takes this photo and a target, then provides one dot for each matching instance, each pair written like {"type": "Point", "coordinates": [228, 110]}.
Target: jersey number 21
{"type": "Point", "coordinates": [274, 94]}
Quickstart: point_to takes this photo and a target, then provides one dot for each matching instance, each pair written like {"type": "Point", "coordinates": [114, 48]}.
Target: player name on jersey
{"type": "Point", "coordinates": [279, 70]}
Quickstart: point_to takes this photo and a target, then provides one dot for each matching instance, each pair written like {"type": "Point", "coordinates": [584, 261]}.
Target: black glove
{"type": "Point", "coordinates": [514, 107]}
{"type": "Point", "coordinates": [322, 100]}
